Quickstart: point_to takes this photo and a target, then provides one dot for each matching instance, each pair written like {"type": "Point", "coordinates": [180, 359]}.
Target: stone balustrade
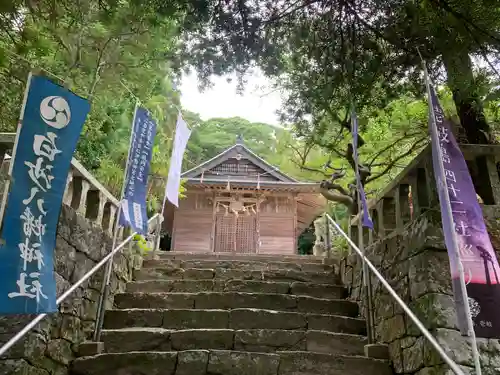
{"type": "Point", "coordinates": [84, 237]}
{"type": "Point", "coordinates": [407, 247]}
{"type": "Point", "coordinates": [84, 193]}
{"type": "Point", "coordinates": [413, 191]}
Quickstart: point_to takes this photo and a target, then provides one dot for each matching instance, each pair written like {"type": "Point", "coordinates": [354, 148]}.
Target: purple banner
{"type": "Point", "coordinates": [481, 270]}
{"type": "Point", "coordinates": [366, 220]}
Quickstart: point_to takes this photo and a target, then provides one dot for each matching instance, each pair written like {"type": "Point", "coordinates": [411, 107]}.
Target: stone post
{"type": "Point", "coordinates": [100, 212]}
{"type": "Point", "coordinates": [494, 174]}
{"type": "Point", "coordinates": [112, 216]}
{"type": "Point", "coordinates": [68, 194]}
{"type": "Point", "coordinates": [388, 216]}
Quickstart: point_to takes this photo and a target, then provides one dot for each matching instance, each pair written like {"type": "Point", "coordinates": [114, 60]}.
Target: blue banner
{"type": "Point", "coordinates": [134, 210]}
{"type": "Point", "coordinates": [366, 220]}
{"type": "Point", "coordinates": [52, 121]}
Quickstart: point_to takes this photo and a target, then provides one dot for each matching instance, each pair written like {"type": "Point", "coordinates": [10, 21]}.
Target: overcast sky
{"type": "Point", "coordinates": [258, 103]}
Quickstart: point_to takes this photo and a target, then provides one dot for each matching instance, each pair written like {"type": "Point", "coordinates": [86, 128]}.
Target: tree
{"type": "Point", "coordinates": [355, 51]}
{"type": "Point", "coordinates": [327, 55]}
{"type": "Point", "coordinates": [101, 53]}
{"type": "Point", "coordinates": [330, 55]}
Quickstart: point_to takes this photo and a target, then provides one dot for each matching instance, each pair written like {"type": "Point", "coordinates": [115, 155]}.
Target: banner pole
{"type": "Point", "coordinates": [160, 221]}
{"type": "Point", "coordinates": [177, 140]}
{"type": "Point", "coordinates": [443, 185]}
{"type": "Point", "coordinates": [14, 150]}
{"type": "Point", "coordinates": [366, 276]}
{"type": "Point", "coordinates": [162, 218]}
{"type": "Point", "coordinates": [109, 266]}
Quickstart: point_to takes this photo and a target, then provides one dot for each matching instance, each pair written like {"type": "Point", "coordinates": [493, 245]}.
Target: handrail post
{"type": "Point", "coordinates": [157, 237]}
{"type": "Point", "coordinates": [367, 284]}
{"type": "Point", "coordinates": [106, 281]}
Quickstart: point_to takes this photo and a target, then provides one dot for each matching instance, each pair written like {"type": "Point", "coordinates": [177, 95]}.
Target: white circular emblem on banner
{"type": "Point", "coordinates": [55, 111]}
{"type": "Point", "coordinates": [474, 307]}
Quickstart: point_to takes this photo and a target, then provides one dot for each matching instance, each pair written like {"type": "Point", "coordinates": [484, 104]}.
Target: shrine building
{"type": "Point", "coordinates": [237, 202]}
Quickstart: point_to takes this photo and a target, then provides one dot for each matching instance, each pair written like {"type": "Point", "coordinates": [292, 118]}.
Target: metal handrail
{"type": "Point", "coordinates": [454, 367]}
{"type": "Point", "coordinates": [67, 293]}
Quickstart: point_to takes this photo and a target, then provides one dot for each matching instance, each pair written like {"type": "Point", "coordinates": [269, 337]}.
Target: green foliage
{"type": "Point", "coordinates": [340, 245]}
{"type": "Point", "coordinates": [323, 55]}
{"type": "Point", "coordinates": [142, 244]}
{"type": "Point", "coordinates": [328, 55]}
{"type": "Point", "coordinates": [101, 50]}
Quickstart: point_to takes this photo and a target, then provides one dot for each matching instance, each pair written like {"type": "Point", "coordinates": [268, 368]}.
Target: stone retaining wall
{"type": "Point", "coordinates": [408, 248]}
{"type": "Point", "coordinates": [50, 347]}
{"type": "Point", "coordinates": [415, 263]}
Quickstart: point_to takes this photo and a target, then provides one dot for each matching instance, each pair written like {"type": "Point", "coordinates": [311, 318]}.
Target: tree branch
{"type": "Point", "coordinates": [388, 147]}
{"type": "Point", "coordinates": [340, 196]}
{"type": "Point", "coordinates": [391, 165]}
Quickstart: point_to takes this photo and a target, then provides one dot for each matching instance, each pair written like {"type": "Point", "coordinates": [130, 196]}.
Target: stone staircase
{"type": "Point", "coordinates": [190, 314]}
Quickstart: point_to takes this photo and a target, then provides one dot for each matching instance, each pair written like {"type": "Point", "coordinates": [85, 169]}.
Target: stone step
{"type": "Point", "coordinates": [244, 265]}
{"type": "Point", "coordinates": [233, 319]}
{"type": "Point", "coordinates": [246, 257]}
{"type": "Point", "coordinates": [224, 362]}
{"type": "Point", "coordinates": [234, 300]}
{"type": "Point", "coordinates": [250, 340]}
{"type": "Point", "coordinates": [173, 273]}
{"type": "Point", "coordinates": [249, 286]}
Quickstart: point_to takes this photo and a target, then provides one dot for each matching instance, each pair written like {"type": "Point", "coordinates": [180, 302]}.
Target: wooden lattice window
{"type": "Point", "coordinates": [235, 233]}
{"type": "Point", "coordinates": [224, 234]}
{"type": "Point", "coordinates": [245, 234]}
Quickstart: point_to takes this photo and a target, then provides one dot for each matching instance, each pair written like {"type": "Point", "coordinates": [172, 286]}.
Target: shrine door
{"type": "Point", "coordinates": [235, 233]}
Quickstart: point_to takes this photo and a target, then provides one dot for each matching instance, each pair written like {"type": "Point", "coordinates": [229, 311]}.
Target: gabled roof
{"type": "Point", "coordinates": [245, 153]}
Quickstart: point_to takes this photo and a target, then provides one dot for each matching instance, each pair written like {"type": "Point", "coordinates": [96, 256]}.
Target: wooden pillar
{"type": "Point", "coordinates": [214, 218]}
{"type": "Point", "coordinates": [235, 236]}
{"type": "Point", "coordinates": [257, 224]}
{"type": "Point", "coordinates": [294, 197]}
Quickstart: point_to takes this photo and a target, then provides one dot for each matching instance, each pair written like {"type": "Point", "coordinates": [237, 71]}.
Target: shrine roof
{"type": "Point", "coordinates": [238, 151]}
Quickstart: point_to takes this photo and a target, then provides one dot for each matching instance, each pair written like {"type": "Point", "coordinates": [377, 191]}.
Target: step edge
{"type": "Point", "coordinates": [161, 330]}
{"type": "Point", "coordinates": [239, 293]}
{"type": "Point", "coordinates": [159, 309]}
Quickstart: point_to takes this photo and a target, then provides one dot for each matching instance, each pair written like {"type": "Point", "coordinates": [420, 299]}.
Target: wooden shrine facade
{"type": "Point", "coordinates": [237, 202]}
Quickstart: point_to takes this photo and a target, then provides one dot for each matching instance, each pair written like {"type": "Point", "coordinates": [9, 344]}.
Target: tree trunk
{"type": "Point", "coordinates": [469, 107]}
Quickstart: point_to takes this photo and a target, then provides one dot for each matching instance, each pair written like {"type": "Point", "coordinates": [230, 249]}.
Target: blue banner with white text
{"type": "Point", "coordinates": [134, 210]}
{"type": "Point", "coordinates": [52, 122]}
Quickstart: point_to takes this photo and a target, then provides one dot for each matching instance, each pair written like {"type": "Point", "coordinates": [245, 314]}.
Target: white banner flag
{"type": "Point", "coordinates": [182, 134]}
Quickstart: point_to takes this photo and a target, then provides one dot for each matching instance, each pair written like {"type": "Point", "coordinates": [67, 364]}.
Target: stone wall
{"type": "Point", "coordinates": [408, 248]}
{"type": "Point", "coordinates": [415, 263]}
{"type": "Point", "coordinates": [86, 224]}
{"type": "Point", "coordinates": [54, 342]}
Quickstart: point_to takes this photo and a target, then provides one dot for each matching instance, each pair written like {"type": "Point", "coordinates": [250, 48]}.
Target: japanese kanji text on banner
{"type": "Point", "coordinates": [52, 121]}
{"type": "Point", "coordinates": [134, 209]}
{"type": "Point", "coordinates": [182, 134]}
{"type": "Point", "coordinates": [482, 273]}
